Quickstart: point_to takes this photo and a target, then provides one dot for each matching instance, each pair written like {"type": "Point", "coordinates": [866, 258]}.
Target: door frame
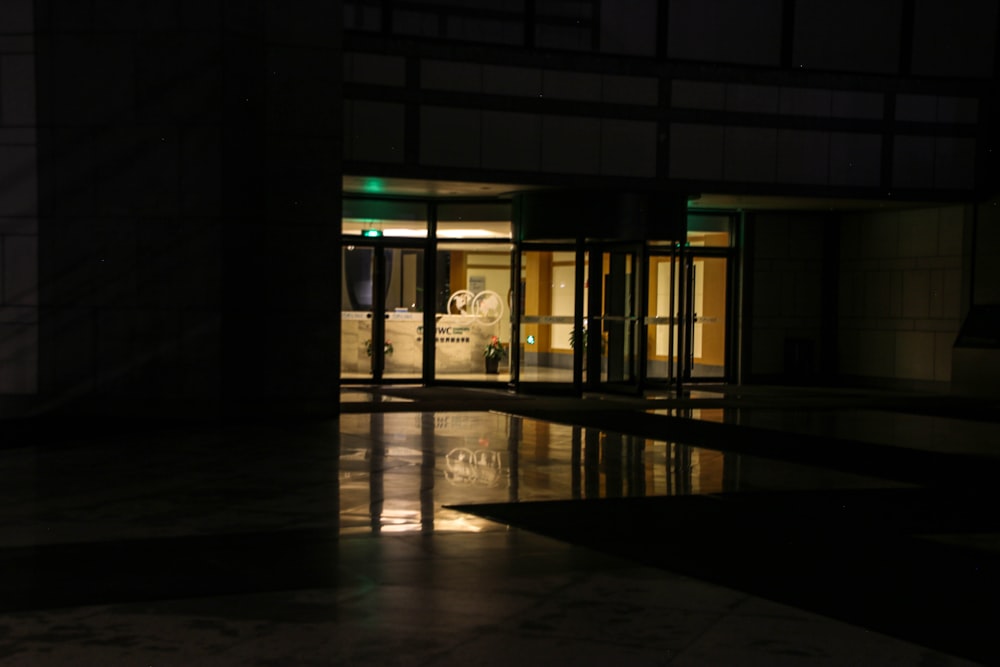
{"type": "Point", "coordinates": [728, 308]}
{"type": "Point", "coordinates": [633, 312]}
{"type": "Point", "coordinates": [517, 383]}
{"type": "Point", "coordinates": [379, 313]}
{"type": "Point", "coordinates": [679, 318]}
{"type": "Point", "coordinates": [680, 360]}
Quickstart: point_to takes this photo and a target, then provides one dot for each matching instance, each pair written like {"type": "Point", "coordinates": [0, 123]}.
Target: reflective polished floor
{"type": "Point", "coordinates": [436, 526]}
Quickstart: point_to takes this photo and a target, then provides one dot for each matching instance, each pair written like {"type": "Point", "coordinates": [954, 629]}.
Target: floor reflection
{"type": "Point", "coordinates": [399, 470]}
{"type": "Point", "coordinates": [364, 395]}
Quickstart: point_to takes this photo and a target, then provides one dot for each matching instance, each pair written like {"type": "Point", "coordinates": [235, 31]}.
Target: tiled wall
{"type": "Point", "coordinates": [814, 154]}
{"type": "Point", "coordinates": [18, 201]}
{"type": "Point", "coordinates": [901, 293]}
{"type": "Point", "coordinates": [506, 140]}
{"type": "Point", "coordinates": [898, 291]}
{"type": "Point", "coordinates": [787, 292]}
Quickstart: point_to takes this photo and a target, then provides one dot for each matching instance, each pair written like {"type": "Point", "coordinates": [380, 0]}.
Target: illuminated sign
{"type": "Point", "coordinates": [531, 340]}
{"type": "Point", "coordinates": [372, 233]}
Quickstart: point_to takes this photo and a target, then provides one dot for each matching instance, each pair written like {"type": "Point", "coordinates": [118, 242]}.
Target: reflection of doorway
{"type": "Point", "coordinates": [382, 320]}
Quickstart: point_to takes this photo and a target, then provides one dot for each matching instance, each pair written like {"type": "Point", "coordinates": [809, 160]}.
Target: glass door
{"type": "Point", "coordinates": [686, 326]}
{"type": "Point", "coordinates": [382, 313]}
{"type": "Point", "coordinates": [708, 296]}
{"type": "Point", "coordinates": [548, 303]}
{"type": "Point", "coordinates": [666, 321]}
{"type": "Point", "coordinates": [612, 319]}
{"type": "Point", "coordinates": [472, 318]}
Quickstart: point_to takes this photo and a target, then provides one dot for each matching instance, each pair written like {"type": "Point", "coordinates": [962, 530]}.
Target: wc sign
{"type": "Point", "coordinates": [452, 331]}
{"type": "Point", "coordinates": [447, 334]}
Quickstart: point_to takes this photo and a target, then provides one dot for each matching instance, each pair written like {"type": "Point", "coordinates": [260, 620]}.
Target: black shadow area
{"type": "Point", "coordinates": [900, 561]}
{"type": "Point", "coordinates": [63, 575]}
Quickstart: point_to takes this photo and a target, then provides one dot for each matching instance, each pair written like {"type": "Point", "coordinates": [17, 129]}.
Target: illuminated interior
{"type": "Point", "coordinates": [472, 298]}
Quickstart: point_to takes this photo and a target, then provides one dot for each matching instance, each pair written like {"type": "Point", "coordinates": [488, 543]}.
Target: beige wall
{"type": "Point", "coordinates": [900, 293]}
{"type": "Point", "coordinates": [898, 304]}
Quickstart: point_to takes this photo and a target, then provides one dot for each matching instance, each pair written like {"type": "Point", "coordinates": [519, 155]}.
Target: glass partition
{"type": "Point", "coordinates": [709, 231]}
{"type": "Point", "coordinates": [474, 221]}
{"type": "Point", "coordinates": [473, 311]}
{"type": "Point", "coordinates": [612, 328]}
{"type": "Point", "coordinates": [663, 335]}
{"type": "Point", "coordinates": [381, 218]}
{"type": "Point", "coordinates": [703, 341]}
{"type": "Point", "coordinates": [676, 316]}
{"type": "Point", "coordinates": [356, 316]}
{"type": "Point", "coordinates": [548, 288]}
{"type": "Point", "coordinates": [404, 325]}
{"type": "Point", "coordinates": [709, 339]}
{"type": "Point", "coordinates": [381, 318]}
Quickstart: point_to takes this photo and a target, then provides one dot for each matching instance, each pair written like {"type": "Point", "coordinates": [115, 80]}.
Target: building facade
{"type": "Point", "coordinates": [235, 207]}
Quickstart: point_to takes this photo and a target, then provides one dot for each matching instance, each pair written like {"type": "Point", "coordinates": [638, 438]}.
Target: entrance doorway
{"type": "Point", "coordinates": [612, 334]}
{"type": "Point", "coordinates": [550, 295]}
{"type": "Point", "coordinates": [622, 317]}
{"type": "Point", "coordinates": [688, 304]}
{"type": "Point", "coordinates": [431, 287]}
{"type": "Point", "coordinates": [382, 318]}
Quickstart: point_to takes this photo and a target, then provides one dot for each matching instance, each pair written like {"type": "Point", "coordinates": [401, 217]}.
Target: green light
{"type": "Point", "coordinates": [372, 233]}
{"type": "Point", "coordinates": [531, 340]}
{"type": "Point", "coordinates": [373, 185]}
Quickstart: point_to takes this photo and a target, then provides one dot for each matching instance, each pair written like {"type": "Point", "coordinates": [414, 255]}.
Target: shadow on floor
{"type": "Point", "coordinates": [903, 562]}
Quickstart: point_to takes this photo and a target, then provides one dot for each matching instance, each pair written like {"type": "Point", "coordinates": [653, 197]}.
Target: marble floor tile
{"type": "Point", "coordinates": [345, 542]}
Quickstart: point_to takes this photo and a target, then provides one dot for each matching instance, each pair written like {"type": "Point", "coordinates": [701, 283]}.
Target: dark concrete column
{"type": "Point", "coordinates": [281, 223]}
{"type": "Point", "coordinates": [189, 198]}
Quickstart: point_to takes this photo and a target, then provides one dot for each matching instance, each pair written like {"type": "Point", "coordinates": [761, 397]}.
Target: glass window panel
{"type": "Point", "coordinates": [548, 289]}
{"type": "Point", "coordinates": [356, 314]}
{"type": "Point", "coordinates": [402, 286]}
{"type": "Point", "coordinates": [619, 329]}
{"type": "Point", "coordinates": [384, 218]}
{"type": "Point", "coordinates": [570, 8]}
{"type": "Point", "coordinates": [563, 37]}
{"type": "Point", "coordinates": [662, 330]}
{"type": "Point", "coordinates": [708, 330]}
{"type": "Point", "coordinates": [415, 23]}
{"type": "Point", "coordinates": [709, 344]}
{"type": "Point", "coordinates": [360, 15]}
{"type": "Point", "coordinates": [474, 221]}
{"type": "Point", "coordinates": [472, 305]}
{"type": "Point", "coordinates": [404, 313]}
{"type": "Point", "coordinates": [485, 30]}
{"type": "Point", "coordinates": [709, 231]}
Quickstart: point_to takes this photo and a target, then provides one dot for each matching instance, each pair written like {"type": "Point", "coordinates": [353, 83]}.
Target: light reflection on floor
{"type": "Point", "coordinates": [364, 395]}
{"type": "Point", "coordinates": [327, 542]}
{"type": "Point", "coordinates": [528, 374]}
{"type": "Point", "coordinates": [398, 471]}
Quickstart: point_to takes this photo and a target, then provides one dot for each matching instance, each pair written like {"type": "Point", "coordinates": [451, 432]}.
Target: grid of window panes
{"type": "Point", "coordinates": [571, 25]}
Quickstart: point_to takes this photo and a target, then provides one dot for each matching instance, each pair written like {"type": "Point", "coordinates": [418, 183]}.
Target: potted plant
{"type": "Point", "coordinates": [386, 347]}
{"type": "Point", "coordinates": [493, 353]}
